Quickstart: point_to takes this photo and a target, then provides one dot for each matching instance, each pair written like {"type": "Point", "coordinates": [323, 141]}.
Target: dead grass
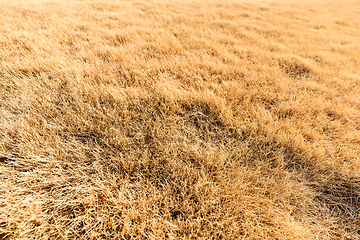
{"type": "Point", "coordinates": [179, 119]}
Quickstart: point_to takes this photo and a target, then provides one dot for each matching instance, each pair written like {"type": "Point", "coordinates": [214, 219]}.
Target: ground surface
{"type": "Point", "coordinates": [179, 119]}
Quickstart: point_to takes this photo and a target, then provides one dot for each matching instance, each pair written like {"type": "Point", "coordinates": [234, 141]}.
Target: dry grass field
{"type": "Point", "coordinates": [169, 119]}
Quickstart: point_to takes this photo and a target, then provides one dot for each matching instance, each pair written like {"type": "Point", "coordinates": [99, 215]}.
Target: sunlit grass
{"type": "Point", "coordinates": [179, 119]}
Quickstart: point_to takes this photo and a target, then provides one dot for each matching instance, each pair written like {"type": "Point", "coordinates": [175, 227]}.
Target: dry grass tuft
{"type": "Point", "coordinates": [179, 119]}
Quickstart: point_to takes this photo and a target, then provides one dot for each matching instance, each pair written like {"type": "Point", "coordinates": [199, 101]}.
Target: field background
{"type": "Point", "coordinates": [179, 119]}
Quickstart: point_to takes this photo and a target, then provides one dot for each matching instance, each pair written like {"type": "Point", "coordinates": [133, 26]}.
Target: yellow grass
{"type": "Point", "coordinates": [165, 119]}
